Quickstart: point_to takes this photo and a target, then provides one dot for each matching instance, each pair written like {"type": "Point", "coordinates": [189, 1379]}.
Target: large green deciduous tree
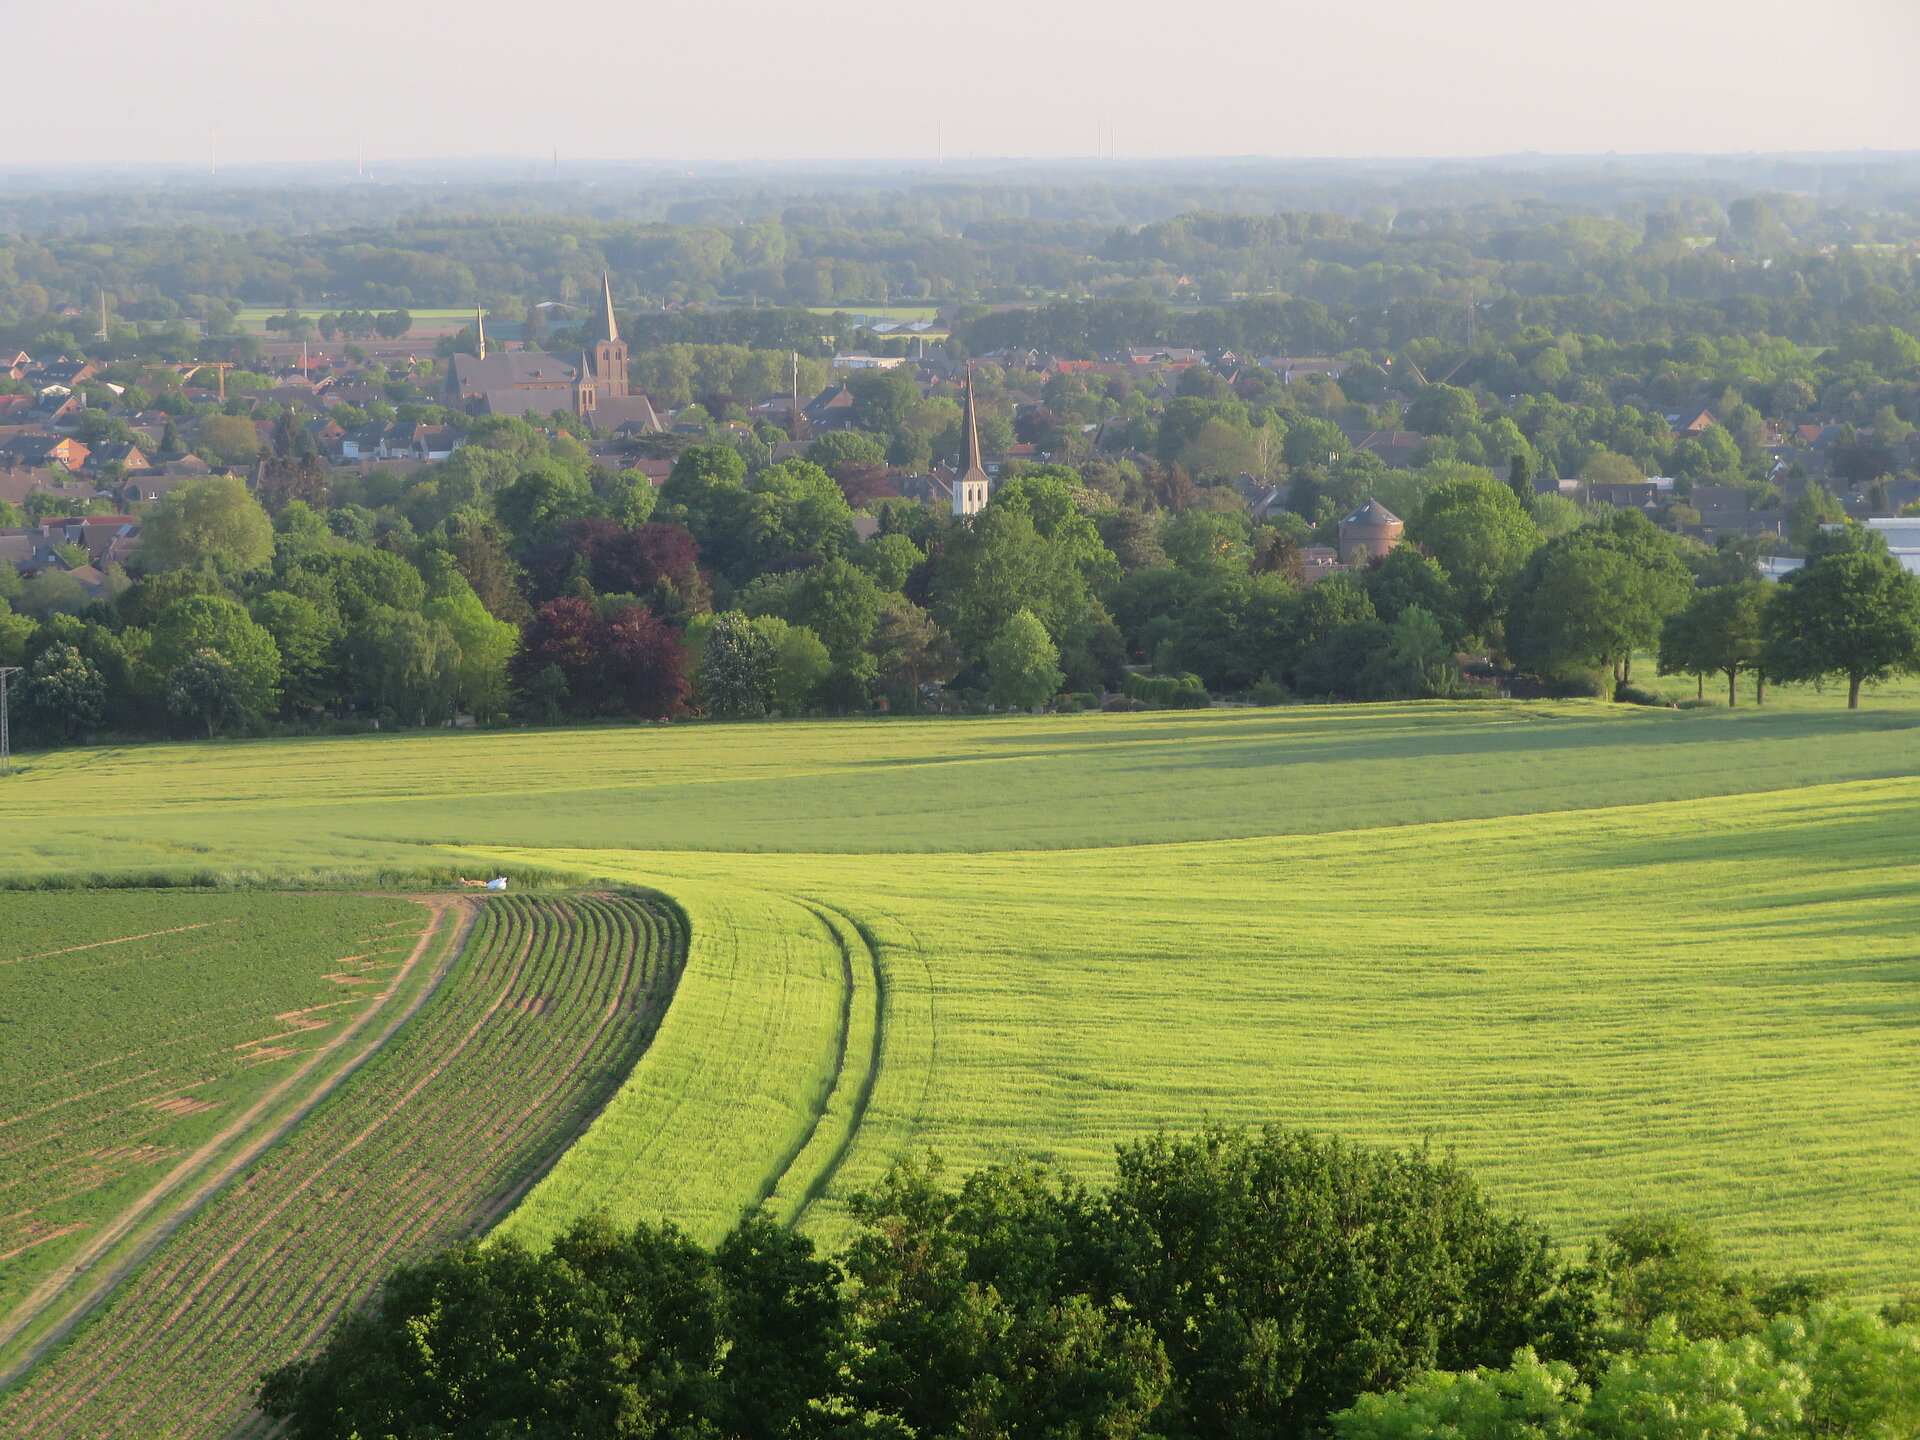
{"type": "Point", "coordinates": [910, 651]}
{"type": "Point", "coordinates": [1719, 631]}
{"type": "Point", "coordinates": [795, 508]}
{"type": "Point", "coordinates": [206, 689]}
{"type": "Point", "coordinates": [405, 662]}
{"type": "Point", "coordinates": [736, 668]}
{"type": "Point", "coordinates": [836, 600]}
{"type": "Point", "coordinates": [63, 696]}
{"type": "Point", "coordinates": [214, 520]}
{"type": "Point", "coordinates": [609, 1335]}
{"type": "Point", "coordinates": [1482, 536]}
{"type": "Point", "coordinates": [998, 566]}
{"type": "Point", "coordinates": [305, 637]}
{"type": "Point", "coordinates": [1856, 615]}
{"type": "Point", "coordinates": [1023, 669]}
{"type": "Point", "coordinates": [213, 622]}
{"type": "Point", "coordinates": [1591, 598]}
{"type": "Point", "coordinates": [483, 647]}
{"type": "Point", "coordinates": [798, 664]}
{"type": "Point", "coordinates": [1055, 511]}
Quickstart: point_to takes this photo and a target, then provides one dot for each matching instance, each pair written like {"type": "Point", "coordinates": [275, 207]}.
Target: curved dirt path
{"type": "Point", "coordinates": [82, 1283]}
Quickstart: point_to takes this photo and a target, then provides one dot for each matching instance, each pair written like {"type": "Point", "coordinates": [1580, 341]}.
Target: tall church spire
{"type": "Point", "coordinates": [606, 287]}
{"type": "Point", "coordinates": [973, 433]}
{"type": "Point", "coordinates": [480, 331]}
{"type": "Point", "coordinates": [971, 485]}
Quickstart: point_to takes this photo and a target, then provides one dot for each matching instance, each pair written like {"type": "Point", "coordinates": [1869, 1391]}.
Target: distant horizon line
{"type": "Point", "coordinates": [913, 163]}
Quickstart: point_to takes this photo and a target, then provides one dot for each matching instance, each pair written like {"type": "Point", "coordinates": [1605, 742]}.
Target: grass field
{"type": "Point", "coordinates": [881, 312]}
{"type": "Point", "coordinates": [1706, 1006]}
{"type": "Point", "coordinates": [1616, 957]}
{"type": "Point", "coordinates": [154, 1039]}
{"type": "Point", "coordinates": [540, 1020]}
{"type": "Point", "coordinates": [983, 783]}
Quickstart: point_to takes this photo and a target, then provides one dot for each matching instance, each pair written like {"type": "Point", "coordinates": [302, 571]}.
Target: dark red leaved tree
{"type": "Point", "coordinates": [631, 665]}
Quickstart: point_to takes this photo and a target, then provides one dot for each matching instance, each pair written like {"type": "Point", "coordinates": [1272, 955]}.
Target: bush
{"type": "Point", "coordinates": [1574, 685]}
{"type": "Point", "coordinates": [1179, 692]}
{"type": "Point", "coordinates": [1270, 692]}
{"type": "Point", "coordinates": [1624, 694]}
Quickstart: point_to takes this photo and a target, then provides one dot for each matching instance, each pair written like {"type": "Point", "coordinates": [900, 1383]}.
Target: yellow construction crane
{"type": "Point", "coordinates": [220, 365]}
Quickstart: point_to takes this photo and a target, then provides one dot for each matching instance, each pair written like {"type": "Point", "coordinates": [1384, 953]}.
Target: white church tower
{"type": "Point", "coordinates": [971, 485]}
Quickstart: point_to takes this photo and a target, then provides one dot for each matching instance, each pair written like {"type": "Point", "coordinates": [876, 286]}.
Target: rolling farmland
{"type": "Point", "coordinates": [337, 806]}
{"type": "Point", "coordinates": [1704, 1006]}
{"type": "Point", "coordinates": [542, 1017]}
{"type": "Point", "coordinates": [1615, 958]}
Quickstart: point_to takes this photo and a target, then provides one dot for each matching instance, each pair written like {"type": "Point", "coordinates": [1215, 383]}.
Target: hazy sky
{"type": "Point", "coordinates": [127, 80]}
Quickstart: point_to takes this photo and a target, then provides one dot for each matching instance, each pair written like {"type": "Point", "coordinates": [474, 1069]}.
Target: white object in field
{"type": "Point", "coordinates": [499, 882]}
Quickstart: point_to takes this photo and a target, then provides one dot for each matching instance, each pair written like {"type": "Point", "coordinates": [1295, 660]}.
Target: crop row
{"type": "Point", "coordinates": [143, 1027]}
{"type": "Point", "coordinates": [546, 1012]}
{"type": "Point", "coordinates": [738, 1085]}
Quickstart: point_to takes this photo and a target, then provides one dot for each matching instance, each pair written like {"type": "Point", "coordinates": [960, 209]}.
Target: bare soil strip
{"type": "Point", "coordinates": [51, 1310]}
{"type": "Point", "coordinates": [122, 940]}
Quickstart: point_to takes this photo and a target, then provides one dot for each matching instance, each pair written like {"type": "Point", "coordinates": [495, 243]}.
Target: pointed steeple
{"type": "Point", "coordinates": [606, 289]}
{"type": "Point", "coordinates": [972, 485]}
{"type": "Point", "coordinates": [480, 332]}
{"type": "Point", "coordinates": [973, 433]}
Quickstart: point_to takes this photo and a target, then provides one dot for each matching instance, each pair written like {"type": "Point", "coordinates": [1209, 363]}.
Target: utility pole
{"type": "Point", "coordinates": [6, 747]}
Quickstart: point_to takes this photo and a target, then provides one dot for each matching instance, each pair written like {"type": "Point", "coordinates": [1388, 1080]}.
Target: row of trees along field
{"type": "Point", "coordinates": [544, 587]}
{"type": "Point", "coordinates": [1228, 1286]}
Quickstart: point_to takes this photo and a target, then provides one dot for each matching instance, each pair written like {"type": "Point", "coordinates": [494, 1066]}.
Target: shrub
{"type": "Point", "coordinates": [1624, 694]}
{"type": "Point", "coordinates": [1179, 692]}
{"type": "Point", "coordinates": [1270, 692]}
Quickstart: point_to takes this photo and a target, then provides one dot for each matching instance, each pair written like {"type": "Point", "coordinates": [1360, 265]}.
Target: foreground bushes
{"type": "Point", "coordinates": [1228, 1285]}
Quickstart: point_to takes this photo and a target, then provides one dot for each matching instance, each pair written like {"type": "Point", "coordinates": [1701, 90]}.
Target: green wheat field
{"type": "Point", "coordinates": [1614, 958]}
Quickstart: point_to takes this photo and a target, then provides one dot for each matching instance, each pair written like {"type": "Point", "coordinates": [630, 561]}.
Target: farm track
{"type": "Point", "coordinates": [843, 1105]}
{"type": "Point", "coordinates": [89, 1276]}
{"type": "Point", "coordinates": [542, 1019]}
